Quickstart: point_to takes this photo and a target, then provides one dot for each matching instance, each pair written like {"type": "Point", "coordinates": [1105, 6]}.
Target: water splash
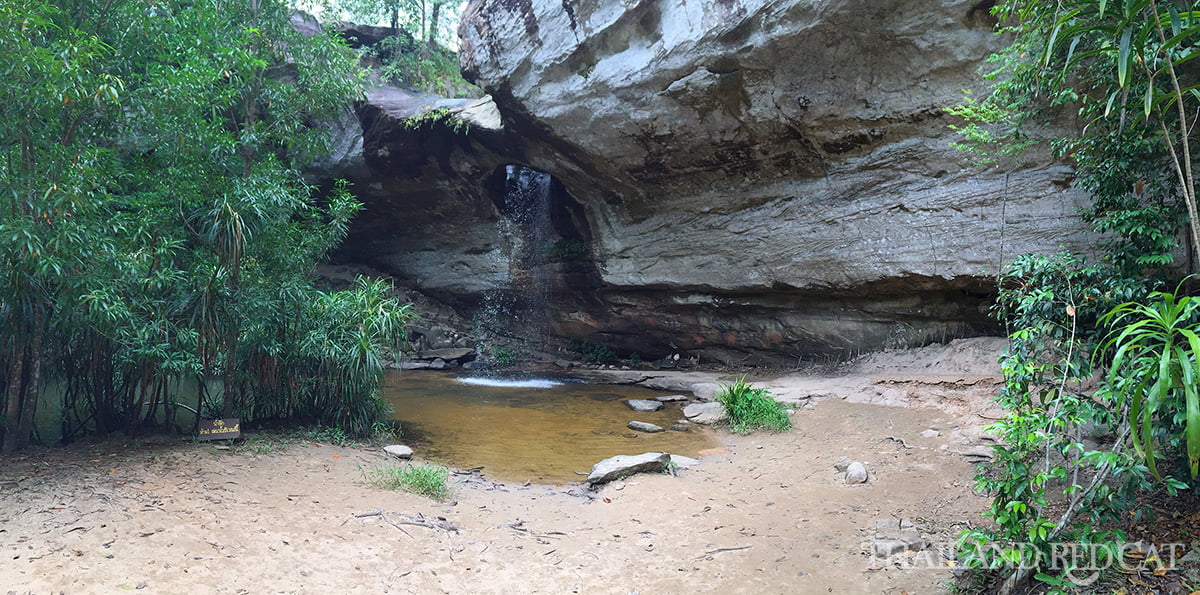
{"type": "Point", "coordinates": [502, 383]}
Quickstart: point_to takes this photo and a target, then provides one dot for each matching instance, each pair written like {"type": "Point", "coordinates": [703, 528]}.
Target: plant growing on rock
{"type": "Point", "coordinates": [752, 409]}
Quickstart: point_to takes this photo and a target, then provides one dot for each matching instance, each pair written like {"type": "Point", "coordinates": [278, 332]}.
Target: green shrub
{"type": "Point", "coordinates": [423, 479]}
{"type": "Point", "coordinates": [505, 357]}
{"type": "Point", "coordinates": [594, 353]}
{"type": "Point", "coordinates": [753, 409]}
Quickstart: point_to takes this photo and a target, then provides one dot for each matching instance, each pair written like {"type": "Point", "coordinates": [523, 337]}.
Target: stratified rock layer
{"type": "Point", "coordinates": [751, 178]}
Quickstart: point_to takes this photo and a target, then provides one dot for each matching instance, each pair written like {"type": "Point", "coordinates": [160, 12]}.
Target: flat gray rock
{"type": "Point", "coordinates": [682, 461]}
{"type": "Point", "coordinates": [399, 450]}
{"type": "Point", "coordinates": [644, 405]}
{"type": "Point", "coordinates": [705, 413]}
{"type": "Point", "coordinates": [978, 454]}
{"type": "Point", "coordinates": [705, 391]}
{"type": "Point", "coordinates": [896, 536]}
{"type": "Point", "coordinates": [625, 465]}
{"type": "Point", "coordinates": [671, 398]}
{"type": "Point", "coordinates": [642, 426]}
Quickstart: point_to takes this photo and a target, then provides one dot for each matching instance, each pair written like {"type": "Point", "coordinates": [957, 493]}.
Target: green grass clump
{"type": "Point", "coordinates": [752, 408]}
{"type": "Point", "coordinates": [423, 479]}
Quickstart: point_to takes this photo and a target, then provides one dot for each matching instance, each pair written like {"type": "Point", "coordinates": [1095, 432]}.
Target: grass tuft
{"type": "Point", "coordinates": [752, 408]}
{"type": "Point", "coordinates": [424, 480]}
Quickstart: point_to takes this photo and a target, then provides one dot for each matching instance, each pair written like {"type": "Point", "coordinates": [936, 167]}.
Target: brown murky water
{"type": "Point", "coordinates": [543, 435]}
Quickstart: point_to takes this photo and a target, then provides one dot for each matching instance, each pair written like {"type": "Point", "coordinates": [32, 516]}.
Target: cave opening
{"type": "Point", "coordinates": [530, 197]}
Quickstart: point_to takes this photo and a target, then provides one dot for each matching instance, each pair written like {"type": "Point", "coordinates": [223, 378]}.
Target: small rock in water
{"type": "Point", "coordinates": [671, 398]}
{"type": "Point", "coordinates": [842, 464]}
{"type": "Point", "coordinates": [680, 428]}
{"type": "Point", "coordinates": [399, 450]}
{"type": "Point", "coordinates": [930, 433]}
{"type": "Point", "coordinates": [438, 364]}
{"type": "Point", "coordinates": [625, 465]}
{"type": "Point", "coordinates": [642, 426]}
{"type": "Point", "coordinates": [856, 473]}
{"type": "Point", "coordinates": [705, 391]}
{"type": "Point", "coordinates": [414, 365]}
{"type": "Point", "coordinates": [644, 405]}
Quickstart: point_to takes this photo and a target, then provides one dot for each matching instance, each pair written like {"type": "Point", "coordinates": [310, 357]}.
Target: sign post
{"type": "Point", "coordinates": [219, 429]}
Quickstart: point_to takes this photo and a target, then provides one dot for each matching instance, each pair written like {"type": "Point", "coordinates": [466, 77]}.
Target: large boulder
{"type": "Point", "coordinates": [620, 466]}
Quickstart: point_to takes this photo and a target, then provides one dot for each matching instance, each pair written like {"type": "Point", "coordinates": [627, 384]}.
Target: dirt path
{"type": "Point", "coordinates": [769, 516]}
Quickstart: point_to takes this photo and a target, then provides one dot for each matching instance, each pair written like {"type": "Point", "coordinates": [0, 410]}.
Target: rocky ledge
{"type": "Point", "coordinates": [738, 180]}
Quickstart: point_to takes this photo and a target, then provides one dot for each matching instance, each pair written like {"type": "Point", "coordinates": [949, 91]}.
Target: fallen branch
{"type": "Point", "coordinates": [518, 526]}
{"type": "Point", "coordinates": [438, 523]}
{"type": "Point", "coordinates": [901, 442]}
{"type": "Point", "coordinates": [722, 549]}
{"type": "Point", "coordinates": [390, 522]}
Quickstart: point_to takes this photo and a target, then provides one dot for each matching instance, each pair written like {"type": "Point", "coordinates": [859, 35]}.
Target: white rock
{"type": "Point", "coordinates": [399, 450]}
{"type": "Point", "coordinates": [856, 473]}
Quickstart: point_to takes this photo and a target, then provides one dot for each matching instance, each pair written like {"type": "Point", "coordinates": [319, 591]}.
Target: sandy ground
{"type": "Point", "coordinates": [770, 515]}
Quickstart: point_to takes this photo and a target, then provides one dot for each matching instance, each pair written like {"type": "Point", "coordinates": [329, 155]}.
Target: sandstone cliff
{"type": "Point", "coordinates": [751, 178]}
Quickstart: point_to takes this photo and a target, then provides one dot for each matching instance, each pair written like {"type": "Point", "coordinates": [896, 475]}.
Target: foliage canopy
{"type": "Point", "coordinates": [157, 233]}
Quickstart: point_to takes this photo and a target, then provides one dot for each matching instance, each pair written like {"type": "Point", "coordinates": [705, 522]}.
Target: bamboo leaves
{"type": "Point", "coordinates": [155, 231]}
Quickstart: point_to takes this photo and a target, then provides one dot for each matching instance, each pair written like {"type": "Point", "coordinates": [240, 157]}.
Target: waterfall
{"type": "Point", "coordinates": [520, 312]}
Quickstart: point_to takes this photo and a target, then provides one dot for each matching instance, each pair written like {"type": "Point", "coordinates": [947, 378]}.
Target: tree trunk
{"type": "Point", "coordinates": [228, 398]}
{"type": "Point", "coordinates": [431, 39]}
{"type": "Point", "coordinates": [33, 389]}
{"type": "Point", "coordinates": [12, 411]}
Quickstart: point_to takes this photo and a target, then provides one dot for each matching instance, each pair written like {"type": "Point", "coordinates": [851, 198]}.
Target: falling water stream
{"type": "Point", "coordinates": [520, 311]}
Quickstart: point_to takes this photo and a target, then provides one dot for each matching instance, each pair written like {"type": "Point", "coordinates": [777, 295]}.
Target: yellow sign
{"type": "Point", "coordinates": [219, 429]}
